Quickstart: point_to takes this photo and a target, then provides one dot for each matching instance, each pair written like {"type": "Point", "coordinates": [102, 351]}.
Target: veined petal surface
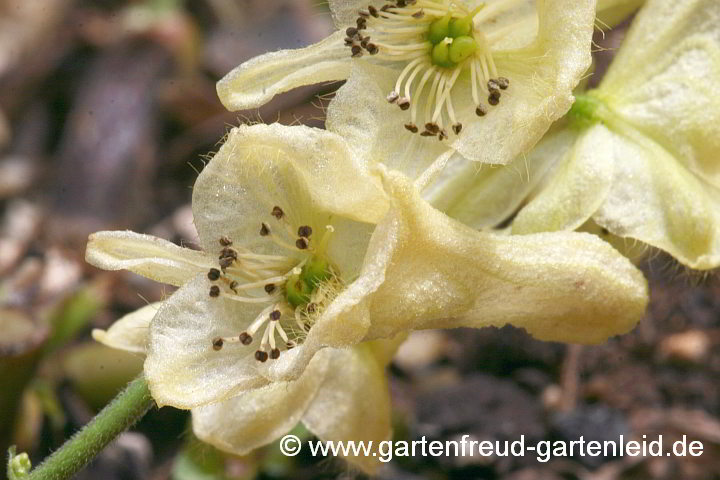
{"type": "Point", "coordinates": [353, 403]}
{"type": "Point", "coordinates": [131, 332]}
{"type": "Point", "coordinates": [149, 256]}
{"type": "Point", "coordinates": [258, 80]}
{"type": "Point", "coordinates": [563, 286]}
{"type": "Point", "coordinates": [182, 368]}
{"type": "Point", "coordinates": [258, 417]}
{"type": "Point", "coordinates": [576, 188]}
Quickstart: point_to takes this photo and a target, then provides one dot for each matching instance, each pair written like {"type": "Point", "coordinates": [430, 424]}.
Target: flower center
{"type": "Point", "coordinates": [432, 42]}
{"type": "Point", "coordinates": [296, 288]}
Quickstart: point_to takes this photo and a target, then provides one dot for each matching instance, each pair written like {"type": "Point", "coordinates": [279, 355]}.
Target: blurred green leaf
{"type": "Point", "coordinates": [20, 348]}
{"type": "Point", "coordinates": [98, 373]}
{"type": "Point", "coordinates": [72, 316]}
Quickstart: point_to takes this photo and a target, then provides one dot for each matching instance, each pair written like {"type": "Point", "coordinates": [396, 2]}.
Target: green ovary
{"type": "Point", "coordinates": [451, 39]}
{"type": "Point", "coordinates": [300, 287]}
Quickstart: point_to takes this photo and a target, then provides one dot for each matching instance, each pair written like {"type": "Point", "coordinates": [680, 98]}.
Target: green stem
{"type": "Point", "coordinates": [120, 414]}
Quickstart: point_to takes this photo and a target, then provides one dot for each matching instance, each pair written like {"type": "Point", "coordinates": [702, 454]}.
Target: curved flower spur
{"type": "Point", "coordinates": [342, 395]}
{"type": "Point", "coordinates": [475, 73]}
{"type": "Point", "coordinates": [391, 264]}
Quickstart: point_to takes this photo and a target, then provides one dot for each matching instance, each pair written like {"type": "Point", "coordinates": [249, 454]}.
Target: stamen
{"type": "Point", "coordinates": [277, 212]}
{"type": "Point", "coordinates": [213, 274]}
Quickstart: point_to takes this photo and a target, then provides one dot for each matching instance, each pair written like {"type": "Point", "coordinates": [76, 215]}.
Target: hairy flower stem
{"type": "Point", "coordinates": [120, 414]}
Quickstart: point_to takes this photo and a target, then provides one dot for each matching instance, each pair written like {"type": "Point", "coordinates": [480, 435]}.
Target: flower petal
{"type": "Point", "coordinates": [665, 81]}
{"type": "Point", "coordinates": [563, 286]}
{"type": "Point", "coordinates": [482, 196]}
{"type": "Point", "coordinates": [149, 256]}
{"type": "Point", "coordinates": [182, 368]}
{"type": "Point", "coordinates": [308, 172]}
{"type": "Point", "coordinates": [543, 76]}
{"type": "Point", "coordinates": [344, 12]}
{"type": "Point", "coordinates": [353, 404]}
{"type": "Point", "coordinates": [131, 332]}
{"type": "Point", "coordinates": [346, 320]}
{"type": "Point", "coordinates": [576, 187]}
{"type": "Point", "coordinates": [373, 128]}
{"type": "Point", "coordinates": [258, 80]}
{"type": "Point", "coordinates": [258, 417]}
{"type": "Point", "coordinates": [664, 205]}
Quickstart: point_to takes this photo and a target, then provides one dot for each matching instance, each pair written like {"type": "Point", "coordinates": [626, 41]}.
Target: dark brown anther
{"type": "Point", "coordinates": [372, 49]}
{"type": "Point", "coordinates": [214, 291]}
{"type": "Point", "coordinates": [392, 97]}
{"type": "Point", "coordinates": [411, 127]}
{"type": "Point", "coordinates": [363, 13]}
{"type": "Point", "coordinates": [503, 82]}
{"type": "Point", "coordinates": [306, 327]}
{"type": "Point", "coordinates": [228, 253]}
{"type": "Point", "coordinates": [386, 7]}
{"type": "Point", "coordinates": [457, 128]}
{"type": "Point", "coordinates": [411, 2]}
{"type": "Point", "coordinates": [361, 23]}
{"type": "Point", "coordinates": [426, 133]}
{"type": "Point", "coordinates": [373, 11]}
{"type": "Point", "coordinates": [494, 97]}
{"type": "Point", "coordinates": [274, 353]}
{"type": "Point", "coordinates": [442, 135]}
{"type": "Point", "coordinates": [419, 14]}
{"type": "Point", "coordinates": [275, 315]}
{"type": "Point", "coordinates": [261, 356]}
{"type": "Point", "coordinates": [356, 51]}
{"type": "Point", "coordinates": [401, 3]}
{"type": "Point", "coordinates": [403, 103]}
{"type": "Point", "coordinates": [432, 127]}
{"type": "Point", "coordinates": [217, 343]}
{"type": "Point", "coordinates": [214, 274]}
{"type": "Point", "coordinates": [225, 262]}
{"type": "Point", "coordinates": [364, 42]}
{"type": "Point", "coordinates": [290, 345]}
{"type": "Point", "coordinates": [305, 231]}
{"type": "Point", "coordinates": [277, 212]}
{"type": "Point", "coordinates": [269, 288]}
{"type": "Point", "coordinates": [349, 42]}
{"type": "Point", "coordinates": [493, 85]}
{"type": "Point", "coordinates": [233, 286]}
{"type": "Point", "coordinates": [351, 32]}
{"type": "Point", "coordinates": [481, 111]}
{"type": "Point", "coordinates": [264, 230]}
{"type": "Point", "coordinates": [311, 307]}
{"type": "Point", "coordinates": [245, 338]}
{"type": "Point", "coordinates": [302, 243]}
{"type": "Point", "coordinates": [225, 241]}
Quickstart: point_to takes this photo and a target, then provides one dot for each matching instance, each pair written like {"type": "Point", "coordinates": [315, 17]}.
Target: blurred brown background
{"type": "Point", "coordinates": [106, 111]}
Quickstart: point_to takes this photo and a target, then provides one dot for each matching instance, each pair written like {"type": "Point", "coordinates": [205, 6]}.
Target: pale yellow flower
{"type": "Point", "coordinates": [488, 77]}
{"type": "Point", "coordinates": [641, 157]}
{"type": "Point", "coordinates": [304, 249]}
{"type": "Point", "coordinates": [342, 395]}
